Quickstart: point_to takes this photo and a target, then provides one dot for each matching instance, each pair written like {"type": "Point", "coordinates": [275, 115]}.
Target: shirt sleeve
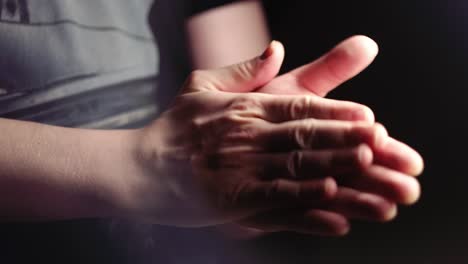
{"type": "Point", "coordinates": [197, 6]}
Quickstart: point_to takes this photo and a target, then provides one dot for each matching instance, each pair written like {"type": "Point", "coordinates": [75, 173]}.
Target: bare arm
{"type": "Point", "coordinates": [50, 172]}
{"type": "Point", "coordinates": [227, 34]}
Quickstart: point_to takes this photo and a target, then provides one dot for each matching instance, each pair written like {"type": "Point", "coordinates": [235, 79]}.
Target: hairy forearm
{"type": "Point", "coordinates": [50, 172]}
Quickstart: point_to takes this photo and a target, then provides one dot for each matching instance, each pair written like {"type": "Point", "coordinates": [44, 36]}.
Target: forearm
{"type": "Point", "coordinates": [227, 34]}
{"type": "Point", "coordinates": [50, 172]}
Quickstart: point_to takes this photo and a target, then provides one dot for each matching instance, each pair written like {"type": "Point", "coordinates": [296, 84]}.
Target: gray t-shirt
{"type": "Point", "coordinates": [78, 63]}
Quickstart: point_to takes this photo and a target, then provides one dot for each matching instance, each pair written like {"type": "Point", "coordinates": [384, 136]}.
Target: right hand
{"type": "Point", "coordinates": [216, 157]}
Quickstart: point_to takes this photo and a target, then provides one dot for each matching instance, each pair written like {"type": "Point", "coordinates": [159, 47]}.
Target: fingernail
{"type": "Point", "coordinates": [267, 53]}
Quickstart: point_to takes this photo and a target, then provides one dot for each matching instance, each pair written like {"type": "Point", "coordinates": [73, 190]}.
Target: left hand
{"type": "Point", "coordinates": [392, 159]}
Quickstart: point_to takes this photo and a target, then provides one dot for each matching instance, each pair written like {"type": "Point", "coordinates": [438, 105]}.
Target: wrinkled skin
{"type": "Point", "coordinates": [217, 157]}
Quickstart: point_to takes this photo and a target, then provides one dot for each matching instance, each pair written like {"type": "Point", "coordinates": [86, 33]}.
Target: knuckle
{"type": "Point", "coordinates": [353, 158]}
{"type": "Point", "coordinates": [360, 134]}
{"type": "Point", "coordinates": [301, 107]}
{"type": "Point", "coordinates": [248, 105]}
{"type": "Point", "coordinates": [230, 117]}
{"type": "Point", "coordinates": [213, 161]}
{"type": "Point", "coordinates": [273, 190]}
{"type": "Point", "coordinates": [197, 124]}
{"type": "Point", "coordinates": [195, 77]}
{"type": "Point", "coordinates": [294, 163]}
{"type": "Point", "coordinates": [303, 135]}
{"type": "Point", "coordinates": [363, 133]}
{"type": "Point", "coordinates": [335, 73]}
{"type": "Point", "coordinates": [243, 133]}
{"type": "Point", "coordinates": [237, 195]}
{"type": "Point", "coordinates": [282, 189]}
{"type": "Point", "coordinates": [262, 173]}
{"type": "Point", "coordinates": [244, 71]}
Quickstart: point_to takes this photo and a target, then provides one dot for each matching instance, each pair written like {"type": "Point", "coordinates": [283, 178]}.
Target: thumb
{"type": "Point", "coordinates": [245, 76]}
{"type": "Point", "coordinates": [342, 63]}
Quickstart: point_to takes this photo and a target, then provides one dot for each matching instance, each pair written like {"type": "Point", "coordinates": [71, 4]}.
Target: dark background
{"type": "Point", "coordinates": [418, 88]}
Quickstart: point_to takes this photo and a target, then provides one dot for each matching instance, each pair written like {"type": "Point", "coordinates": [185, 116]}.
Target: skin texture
{"type": "Point", "coordinates": [247, 152]}
{"type": "Point", "coordinates": [214, 157]}
{"type": "Point", "coordinates": [316, 79]}
{"type": "Point", "coordinates": [212, 44]}
{"type": "Point", "coordinates": [321, 76]}
{"type": "Point", "coordinates": [227, 34]}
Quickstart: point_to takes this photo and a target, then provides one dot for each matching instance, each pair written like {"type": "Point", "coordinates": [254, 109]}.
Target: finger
{"type": "Point", "coordinates": [399, 156]}
{"type": "Point", "coordinates": [320, 134]}
{"type": "Point", "coordinates": [388, 183]}
{"type": "Point", "coordinates": [309, 164]}
{"type": "Point", "coordinates": [242, 77]}
{"type": "Point", "coordinates": [342, 63]}
{"type": "Point", "coordinates": [312, 221]}
{"type": "Point", "coordinates": [282, 193]}
{"type": "Point", "coordinates": [293, 107]}
{"type": "Point", "coordinates": [354, 204]}
{"type": "Point", "coordinates": [237, 231]}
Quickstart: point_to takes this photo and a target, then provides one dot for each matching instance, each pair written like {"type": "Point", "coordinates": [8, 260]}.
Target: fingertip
{"type": "Point", "coordinates": [418, 166]}
{"type": "Point", "coordinates": [277, 46]}
{"type": "Point", "coordinates": [359, 52]}
{"type": "Point", "coordinates": [366, 44]}
{"type": "Point", "coordinates": [267, 65]}
{"type": "Point", "coordinates": [364, 114]}
{"type": "Point", "coordinates": [278, 54]}
{"type": "Point", "coordinates": [383, 210]}
{"type": "Point", "coordinates": [365, 155]}
{"type": "Point", "coordinates": [327, 223]}
{"type": "Point", "coordinates": [381, 135]}
{"type": "Point", "coordinates": [338, 225]}
{"type": "Point", "coordinates": [390, 213]}
{"type": "Point", "coordinates": [413, 192]}
{"type": "Point", "coordinates": [330, 188]}
{"type": "Point", "coordinates": [402, 157]}
{"type": "Point", "coordinates": [273, 52]}
{"type": "Point", "coordinates": [342, 229]}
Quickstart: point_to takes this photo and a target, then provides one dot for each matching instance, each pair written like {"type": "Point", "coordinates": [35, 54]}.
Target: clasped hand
{"type": "Point", "coordinates": [295, 161]}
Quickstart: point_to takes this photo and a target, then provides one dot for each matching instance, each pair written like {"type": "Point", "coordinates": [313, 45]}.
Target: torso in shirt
{"type": "Point", "coordinates": [78, 63]}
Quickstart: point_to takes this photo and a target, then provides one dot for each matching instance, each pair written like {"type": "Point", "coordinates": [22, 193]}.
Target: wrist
{"type": "Point", "coordinates": [137, 189]}
{"type": "Point", "coordinates": [119, 170]}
